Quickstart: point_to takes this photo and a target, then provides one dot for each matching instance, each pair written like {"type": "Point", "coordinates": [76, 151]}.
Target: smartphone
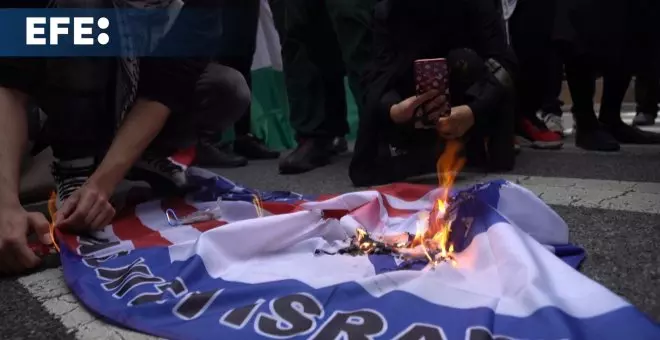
{"type": "Point", "coordinates": [432, 74]}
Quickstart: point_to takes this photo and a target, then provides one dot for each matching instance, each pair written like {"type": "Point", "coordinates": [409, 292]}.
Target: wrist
{"type": "Point", "coordinates": [107, 177]}
{"type": "Point", "coordinates": [9, 200]}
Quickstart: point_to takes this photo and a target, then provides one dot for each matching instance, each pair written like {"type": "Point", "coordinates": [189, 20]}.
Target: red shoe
{"type": "Point", "coordinates": [538, 138]}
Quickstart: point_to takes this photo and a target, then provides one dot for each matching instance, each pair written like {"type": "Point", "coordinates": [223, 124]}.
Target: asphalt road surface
{"type": "Point", "coordinates": [611, 203]}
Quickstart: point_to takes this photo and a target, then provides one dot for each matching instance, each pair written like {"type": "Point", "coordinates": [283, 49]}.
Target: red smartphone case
{"type": "Point", "coordinates": [432, 74]}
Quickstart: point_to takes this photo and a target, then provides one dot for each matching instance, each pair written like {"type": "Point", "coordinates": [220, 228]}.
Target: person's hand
{"type": "Point", "coordinates": [431, 102]}
{"type": "Point", "coordinates": [457, 123]}
{"type": "Point", "coordinates": [15, 224]}
{"type": "Point", "coordinates": [85, 210]}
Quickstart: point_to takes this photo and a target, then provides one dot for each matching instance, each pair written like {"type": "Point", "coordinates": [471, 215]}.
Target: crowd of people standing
{"type": "Point", "coordinates": [507, 60]}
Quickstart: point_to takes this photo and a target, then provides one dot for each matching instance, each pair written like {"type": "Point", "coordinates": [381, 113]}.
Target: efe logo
{"type": "Point", "coordinates": [82, 30]}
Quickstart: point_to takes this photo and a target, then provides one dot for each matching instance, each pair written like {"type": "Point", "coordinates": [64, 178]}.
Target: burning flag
{"type": "Point", "coordinates": [504, 267]}
{"type": "Point", "coordinates": [431, 240]}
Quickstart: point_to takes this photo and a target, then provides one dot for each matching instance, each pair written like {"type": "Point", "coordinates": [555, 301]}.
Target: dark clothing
{"type": "Point", "coordinates": [76, 97]}
{"type": "Point", "coordinates": [322, 41]}
{"type": "Point", "coordinates": [647, 93]}
{"type": "Point", "coordinates": [221, 96]}
{"type": "Point", "coordinates": [238, 43]}
{"type": "Point", "coordinates": [531, 29]}
{"type": "Point", "coordinates": [75, 93]}
{"type": "Point", "coordinates": [406, 31]}
{"type": "Point", "coordinates": [606, 38]}
{"type": "Point", "coordinates": [171, 81]}
{"type": "Point", "coordinates": [438, 27]}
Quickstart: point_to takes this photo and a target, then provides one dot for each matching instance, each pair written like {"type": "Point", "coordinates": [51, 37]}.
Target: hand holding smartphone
{"type": "Point", "coordinates": [432, 74]}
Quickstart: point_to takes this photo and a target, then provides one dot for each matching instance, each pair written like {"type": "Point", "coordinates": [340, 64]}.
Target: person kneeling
{"type": "Point", "coordinates": [398, 137]}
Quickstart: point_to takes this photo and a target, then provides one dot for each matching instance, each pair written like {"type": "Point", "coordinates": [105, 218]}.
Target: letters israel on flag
{"type": "Point", "coordinates": [249, 277]}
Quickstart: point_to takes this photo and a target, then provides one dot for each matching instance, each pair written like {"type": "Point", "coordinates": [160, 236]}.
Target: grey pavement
{"type": "Point", "coordinates": [611, 203]}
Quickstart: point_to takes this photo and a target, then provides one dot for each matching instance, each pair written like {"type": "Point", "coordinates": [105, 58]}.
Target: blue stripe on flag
{"type": "Point", "coordinates": [397, 310]}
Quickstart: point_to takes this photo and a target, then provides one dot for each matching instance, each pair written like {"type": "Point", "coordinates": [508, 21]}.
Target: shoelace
{"type": "Point", "coordinates": [68, 180]}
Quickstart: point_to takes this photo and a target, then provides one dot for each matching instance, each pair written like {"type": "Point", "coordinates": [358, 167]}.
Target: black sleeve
{"type": "Point", "coordinates": [169, 77]}
{"type": "Point", "coordinates": [490, 38]}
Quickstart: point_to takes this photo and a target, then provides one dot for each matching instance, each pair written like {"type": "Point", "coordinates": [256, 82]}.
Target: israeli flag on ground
{"type": "Point", "coordinates": [243, 276]}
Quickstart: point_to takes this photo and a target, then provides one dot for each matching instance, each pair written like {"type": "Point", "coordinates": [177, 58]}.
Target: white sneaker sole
{"type": "Point", "coordinates": [522, 141]}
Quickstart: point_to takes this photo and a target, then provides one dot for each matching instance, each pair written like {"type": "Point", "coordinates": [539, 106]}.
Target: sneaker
{"type": "Point", "coordinates": [644, 119]}
{"type": "Point", "coordinates": [252, 147]}
{"type": "Point", "coordinates": [554, 123]}
{"type": "Point", "coordinates": [162, 173]}
{"type": "Point", "coordinates": [69, 176]}
{"type": "Point", "coordinates": [538, 138]}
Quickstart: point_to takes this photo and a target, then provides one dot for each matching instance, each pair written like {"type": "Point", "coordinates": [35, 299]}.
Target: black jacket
{"type": "Point", "coordinates": [406, 30]}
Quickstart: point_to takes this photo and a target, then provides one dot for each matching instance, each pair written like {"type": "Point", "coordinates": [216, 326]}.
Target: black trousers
{"type": "Point", "coordinates": [531, 30]}
{"type": "Point", "coordinates": [221, 97]}
{"type": "Point", "coordinates": [647, 93]}
{"type": "Point", "coordinates": [404, 151]}
{"type": "Point", "coordinates": [238, 43]}
{"type": "Point", "coordinates": [322, 41]}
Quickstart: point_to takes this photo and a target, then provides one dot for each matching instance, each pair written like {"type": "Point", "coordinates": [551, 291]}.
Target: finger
{"type": "Point", "coordinates": [78, 216]}
{"type": "Point", "coordinates": [444, 125]}
{"type": "Point", "coordinates": [104, 218]}
{"type": "Point", "coordinates": [40, 225]}
{"type": "Point", "coordinates": [67, 208]}
{"type": "Point", "coordinates": [424, 97]}
{"type": "Point", "coordinates": [94, 212]}
{"type": "Point", "coordinates": [25, 256]}
{"type": "Point", "coordinates": [86, 202]}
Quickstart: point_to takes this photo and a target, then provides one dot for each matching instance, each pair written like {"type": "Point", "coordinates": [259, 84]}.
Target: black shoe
{"type": "Point", "coordinates": [218, 156]}
{"type": "Point", "coordinates": [339, 145]}
{"type": "Point", "coordinates": [596, 139]}
{"type": "Point", "coordinates": [253, 148]}
{"type": "Point", "coordinates": [70, 176]}
{"type": "Point", "coordinates": [162, 174]}
{"type": "Point", "coordinates": [309, 155]}
{"type": "Point", "coordinates": [627, 134]}
{"type": "Point", "coordinates": [644, 119]}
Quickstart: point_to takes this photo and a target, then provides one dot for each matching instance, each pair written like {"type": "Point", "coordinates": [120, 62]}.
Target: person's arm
{"type": "Point", "coordinates": [139, 128]}
{"type": "Point", "coordinates": [13, 138]}
{"type": "Point", "coordinates": [489, 34]}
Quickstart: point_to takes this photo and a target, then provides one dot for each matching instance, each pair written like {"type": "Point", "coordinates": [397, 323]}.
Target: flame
{"type": "Point", "coordinates": [52, 209]}
{"type": "Point", "coordinates": [258, 205]}
{"type": "Point", "coordinates": [432, 237]}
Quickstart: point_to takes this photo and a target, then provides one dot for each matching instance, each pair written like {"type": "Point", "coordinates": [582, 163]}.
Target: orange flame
{"type": "Point", "coordinates": [258, 205]}
{"type": "Point", "coordinates": [432, 237]}
{"type": "Point", "coordinates": [52, 209]}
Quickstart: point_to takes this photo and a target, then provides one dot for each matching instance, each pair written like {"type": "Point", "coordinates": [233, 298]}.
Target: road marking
{"type": "Point", "coordinates": [50, 289]}
{"type": "Point", "coordinates": [588, 193]}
